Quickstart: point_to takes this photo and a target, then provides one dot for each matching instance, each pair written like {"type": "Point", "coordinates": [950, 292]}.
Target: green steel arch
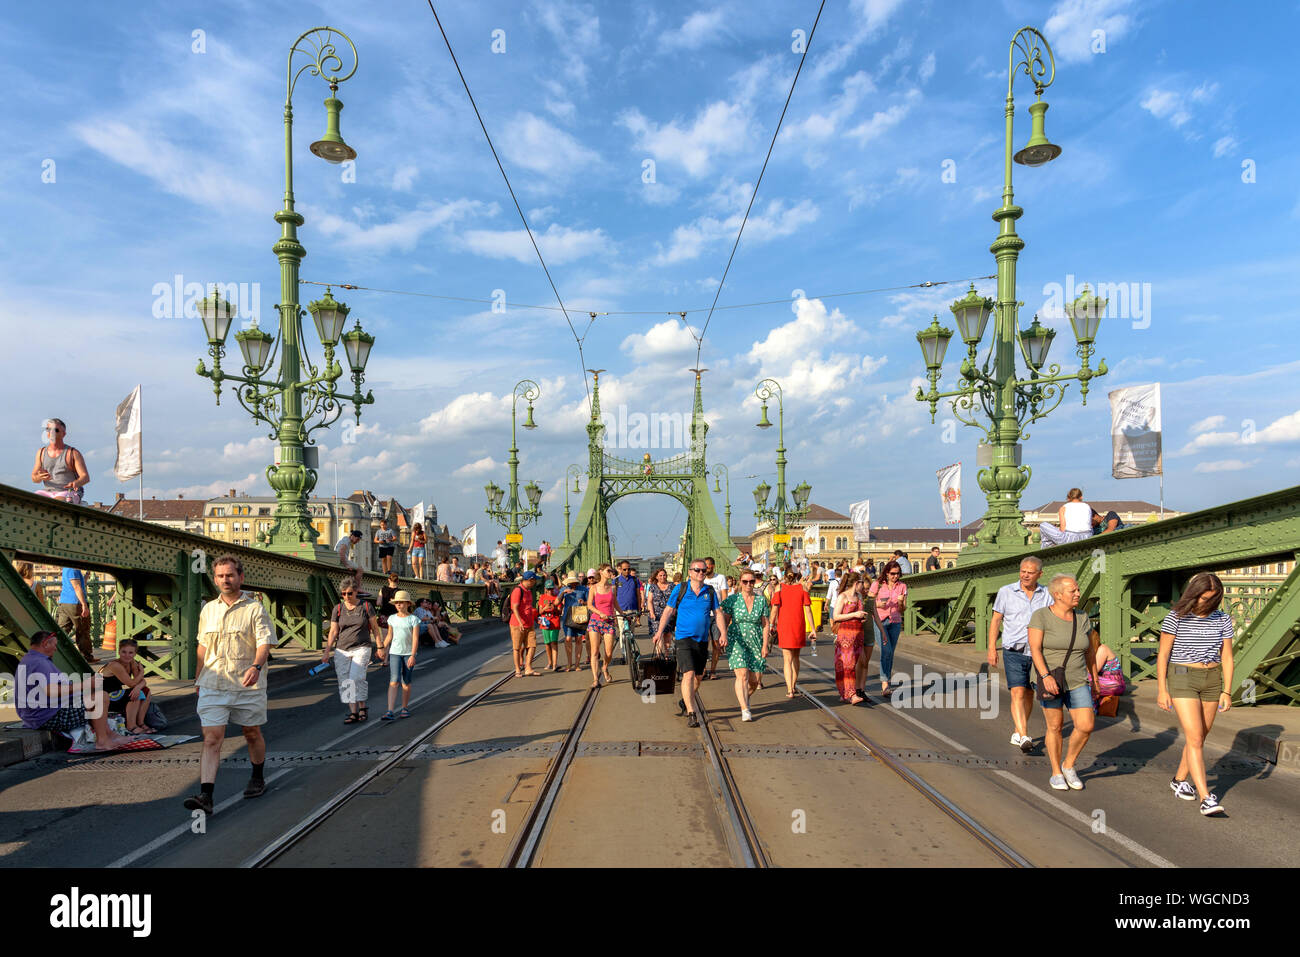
{"type": "Point", "coordinates": [683, 477]}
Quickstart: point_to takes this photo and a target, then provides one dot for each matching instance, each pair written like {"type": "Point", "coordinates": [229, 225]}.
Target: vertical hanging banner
{"type": "Point", "coordinates": [860, 515]}
{"type": "Point", "coordinates": [812, 535]}
{"type": "Point", "coordinates": [950, 493]}
{"type": "Point", "coordinates": [130, 454]}
{"type": "Point", "coordinates": [1135, 432]}
{"type": "Point", "coordinates": [417, 516]}
{"type": "Point", "coordinates": [469, 541]}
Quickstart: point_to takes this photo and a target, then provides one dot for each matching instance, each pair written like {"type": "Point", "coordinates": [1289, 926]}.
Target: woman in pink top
{"type": "Point", "coordinates": [890, 596]}
{"type": "Point", "coordinates": [600, 621]}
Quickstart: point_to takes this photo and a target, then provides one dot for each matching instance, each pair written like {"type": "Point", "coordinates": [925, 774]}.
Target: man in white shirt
{"type": "Point", "coordinates": [1012, 607]}
{"type": "Point", "coordinates": [344, 548]}
{"type": "Point", "coordinates": [499, 557]}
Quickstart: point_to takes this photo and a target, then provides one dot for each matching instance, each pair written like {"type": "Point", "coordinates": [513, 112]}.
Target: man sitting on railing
{"type": "Point", "coordinates": [429, 625]}
{"type": "Point", "coordinates": [47, 698]}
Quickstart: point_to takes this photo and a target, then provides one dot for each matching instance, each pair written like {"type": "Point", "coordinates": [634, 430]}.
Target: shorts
{"type": "Point", "coordinates": [1203, 683]}
{"type": "Point", "coordinates": [66, 719]}
{"type": "Point", "coordinates": [1074, 698]}
{"type": "Point", "coordinates": [385, 551]}
{"type": "Point", "coordinates": [522, 638]}
{"type": "Point", "coordinates": [399, 670]}
{"type": "Point", "coordinates": [550, 636]}
{"type": "Point", "coordinates": [246, 707]}
{"type": "Point", "coordinates": [601, 626]}
{"type": "Point", "coordinates": [1018, 667]}
{"type": "Point", "coordinates": [417, 552]}
{"type": "Point", "coordinates": [692, 655]}
{"type": "Point", "coordinates": [118, 700]}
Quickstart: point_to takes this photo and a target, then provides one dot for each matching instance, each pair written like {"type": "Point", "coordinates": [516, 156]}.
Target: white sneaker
{"type": "Point", "coordinates": [1058, 783]}
{"type": "Point", "coordinates": [441, 644]}
{"type": "Point", "coordinates": [746, 715]}
{"type": "Point", "coordinates": [1026, 743]}
{"type": "Point", "coordinates": [1015, 739]}
{"type": "Point", "coordinates": [1211, 805]}
{"type": "Point", "coordinates": [1183, 789]}
{"type": "Point", "coordinates": [1072, 779]}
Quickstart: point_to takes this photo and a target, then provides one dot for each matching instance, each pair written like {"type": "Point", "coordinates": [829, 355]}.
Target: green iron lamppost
{"type": "Point", "coordinates": [518, 517]}
{"type": "Point", "coordinates": [718, 472]}
{"type": "Point", "coordinates": [1009, 402]}
{"type": "Point", "coordinates": [287, 400]}
{"type": "Point", "coordinates": [572, 472]}
{"type": "Point", "coordinates": [765, 390]}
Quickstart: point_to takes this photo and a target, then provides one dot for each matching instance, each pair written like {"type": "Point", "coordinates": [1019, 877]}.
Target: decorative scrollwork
{"type": "Point", "coordinates": [323, 58]}
{"type": "Point", "coordinates": [1031, 44]}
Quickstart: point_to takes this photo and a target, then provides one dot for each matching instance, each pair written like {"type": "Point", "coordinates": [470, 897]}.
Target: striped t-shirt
{"type": "Point", "coordinates": [1197, 640]}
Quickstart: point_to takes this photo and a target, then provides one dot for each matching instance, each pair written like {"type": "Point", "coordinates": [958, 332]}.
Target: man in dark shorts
{"type": "Point", "coordinates": [695, 606]}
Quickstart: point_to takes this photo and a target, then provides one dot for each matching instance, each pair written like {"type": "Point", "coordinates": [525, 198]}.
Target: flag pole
{"type": "Point", "coordinates": [141, 476]}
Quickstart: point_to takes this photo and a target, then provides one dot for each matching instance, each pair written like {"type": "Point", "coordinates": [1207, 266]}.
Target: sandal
{"type": "Point", "coordinates": [388, 716]}
{"type": "Point", "coordinates": [351, 718]}
{"type": "Point", "coordinates": [404, 713]}
{"type": "Point", "coordinates": [363, 713]}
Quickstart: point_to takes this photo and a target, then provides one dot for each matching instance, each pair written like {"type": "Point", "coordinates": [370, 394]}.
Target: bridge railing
{"type": "Point", "coordinates": [162, 577]}
{"type": "Point", "coordinates": [1129, 579]}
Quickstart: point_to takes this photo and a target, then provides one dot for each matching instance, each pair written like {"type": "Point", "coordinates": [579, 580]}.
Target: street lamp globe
{"type": "Point", "coordinates": [256, 347]}
{"type": "Point", "coordinates": [971, 313]}
{"type": "Point", "coordinates": [934, 343]}
{"type": "Point", "coordinates": [329, 317]}
{"type": "Point", "coordinates": [1085, 315]}
{"type": "Point", "coordinates": [1038, 340]}
{"type": "Point", "coordinates": [764, 422]}
{"type": "Point", "coordinates": [217, 315]}
{"type": "Point", "coordinates": [534, 493]}
{"type": "Point", "coordinates": [528, 422]}
{"type": "Point", "coordinates": [801, 493]}
{"type": "Point", "coordinates": [358, 343]}
{"type": "Point", "coordinates": [330, 147]}
{"type": "Point", "coordinates": [761, 493]}
{"type": "Point", "coordinates": [1038, 150]}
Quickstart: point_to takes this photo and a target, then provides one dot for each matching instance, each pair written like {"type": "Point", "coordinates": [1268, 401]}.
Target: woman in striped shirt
{"type": "Point", "coordinates": [1194, 671]}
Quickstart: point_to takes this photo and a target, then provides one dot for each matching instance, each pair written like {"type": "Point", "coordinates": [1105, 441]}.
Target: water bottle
{"type": "Point", "coordinates": [313, 672]}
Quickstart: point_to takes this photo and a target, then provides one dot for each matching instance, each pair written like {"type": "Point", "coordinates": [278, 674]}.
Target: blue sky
{"type": "Point", "coordinates": [1179, 175]}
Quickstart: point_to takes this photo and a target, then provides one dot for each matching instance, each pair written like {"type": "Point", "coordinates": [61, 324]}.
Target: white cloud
{"type": "Point", "coordinates": [1166, 104]}
{"type": "Point", "coordinates": [1070, 27]}
{"type": "Point", "coordinates": [576, 31]}
{"type": "Point", "coordinates": [811, 328]}
{"type": "Point", "coordinates": [258, 448]}
{"type": "Point", "coordinates": [719, 129]}
{"type": "Point", "coordinates": [1210, 440]}
{"type": "Point", "coordinates": [404, 177]}
{"type": "Point", "coordinates": [253, 483]}
{"type": "Point", "coordinates": [927, 67]}
{"type": "Point", "coordinates": [1224, 145]}
{"type": "Point", "coordinates": [884, 120]}
{"type": "Point", "coordinates": [869, 18]}
{"type": "Point", "coordinates": [667, 340]}
{"type": "Point", "coordinates": [531, 143]}
{"type": "Point", "coordinates": [1208, 424]}
{"type": "Point", "coordinates": [770, 222]}
{"type": "Point", "coordinates": [478, 467]}
{"type": "Point", "coordinates": [1225, 465]}
{"type": "Point", "coordinates": [1285, 429]}
{"type": "Point", "coordinates": [403, 232]}
{"type": "Point", "coordinates": [559, 244]}
{"type": "Point", "coordinates": [697, 30]}
{"type": "Point", "coordinates": [820, 126]}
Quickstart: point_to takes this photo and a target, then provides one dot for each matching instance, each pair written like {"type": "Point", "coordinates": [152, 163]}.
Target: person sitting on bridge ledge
{"type": "Point", "coordinates": [1074, 522]}
{"type": "Point", "coordinates": [344, 549]}
{"type": "Point", "coordinates": [41, 686]}
{"type": "Point", "coordinates": [695, 607]}
{"type": "Point", "coordinates": [1105, 523]}
{"type": "Point", "coordinates": [60, 468]}
{"type": "Point", "coordinates": [128, 695]}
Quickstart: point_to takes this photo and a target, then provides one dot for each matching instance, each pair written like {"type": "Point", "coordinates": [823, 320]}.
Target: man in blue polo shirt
{"type": "Point", "coordinates": [695, 605]}
{"type": "Point", "coordinates": [1011, 610]}
{"type": "Point", "coordinates": [627, 598]}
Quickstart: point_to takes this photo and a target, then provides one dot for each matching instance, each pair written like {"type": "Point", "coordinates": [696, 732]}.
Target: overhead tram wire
{"type": "Point", "coordinates": [613, 313]}
{"type": "Point", "coordinates": [582, 362]}
{"type": "Point", "coordinates": [699, 340]}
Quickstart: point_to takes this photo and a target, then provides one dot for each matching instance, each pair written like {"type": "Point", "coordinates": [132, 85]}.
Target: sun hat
{"type": "Point", "coordinates": [571, 578]}
{"type": "Point", "coordinates": [403, 596]}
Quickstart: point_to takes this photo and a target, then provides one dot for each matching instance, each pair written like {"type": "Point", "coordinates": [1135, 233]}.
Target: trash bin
{"type": "Point", "coordinates": [662, 670]}
{"type": "Point", "coordinates": [816, 613]}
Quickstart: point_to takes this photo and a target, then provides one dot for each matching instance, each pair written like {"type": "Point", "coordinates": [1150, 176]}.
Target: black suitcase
{"type": "Point", "coordinates": [662, 670]}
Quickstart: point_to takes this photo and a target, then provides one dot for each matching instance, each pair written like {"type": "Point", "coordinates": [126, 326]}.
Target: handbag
{"type": "Point", "coordinates": [1058, 673]}
{"type": "Point", "coordinates": [578, 615]}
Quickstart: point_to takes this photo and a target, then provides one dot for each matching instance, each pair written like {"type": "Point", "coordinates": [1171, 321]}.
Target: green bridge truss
{"type": "Point", "coordinates": [162, 578]}
{"type": "Point", "coordinates": [683, 477]}
{"type": "Point", "coordinates": [1129, 579]}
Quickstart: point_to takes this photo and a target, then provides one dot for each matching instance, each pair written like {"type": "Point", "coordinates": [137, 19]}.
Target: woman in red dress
{"type": "Point", "coordinates": [789, 600]}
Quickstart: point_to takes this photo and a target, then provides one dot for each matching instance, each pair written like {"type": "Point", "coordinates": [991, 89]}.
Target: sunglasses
{"type": "Point", "coordinates": [747, 581]}
{"type": "Point", "coordinates": [697, 569]}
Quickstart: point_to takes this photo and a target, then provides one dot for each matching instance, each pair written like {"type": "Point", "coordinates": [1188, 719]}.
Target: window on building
{"type": "Point", "coordinates": [821, 543]}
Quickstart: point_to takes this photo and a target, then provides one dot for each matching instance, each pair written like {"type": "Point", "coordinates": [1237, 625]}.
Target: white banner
{"type": "Point", "coordinates": [130, 454]}
{"type": "Point", "coordinates": [812, 539]}
{"type": "Point", "coordinates": [950, 493]}
{"type": "Point", "coordinates": [469, 541]}
{"type": "Point", "coordinates": [860, 514]}
{"type": "Point", "coordinates": [1135, 432]}
{"type": "Point", "coordinates": [417, 517]}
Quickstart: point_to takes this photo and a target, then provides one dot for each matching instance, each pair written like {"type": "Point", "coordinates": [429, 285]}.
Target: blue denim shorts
{"type": "Point", "coordinates": [1080, 697]}
{"type": "Point", "coordinates": [1018, 667]}
{"type": "Point", "coordinates": [399, 670]}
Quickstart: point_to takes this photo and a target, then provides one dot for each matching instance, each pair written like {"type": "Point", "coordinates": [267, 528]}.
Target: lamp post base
{"type": "Point", "coordinates": [304, 550]}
